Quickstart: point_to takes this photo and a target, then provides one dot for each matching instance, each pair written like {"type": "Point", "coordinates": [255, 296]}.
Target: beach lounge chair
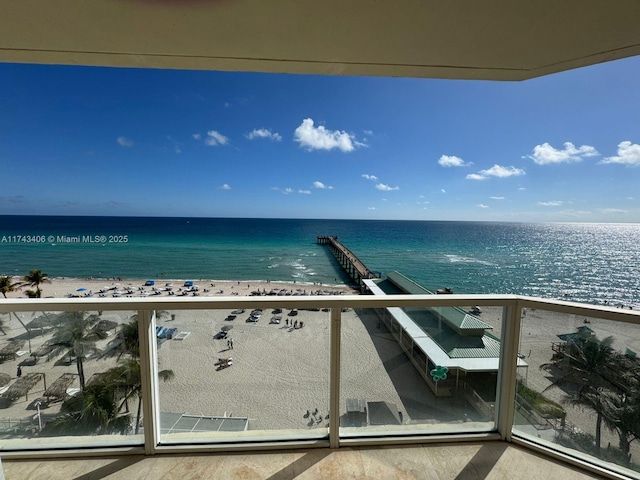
{"type": "Point", "coordinates": [223, 363]}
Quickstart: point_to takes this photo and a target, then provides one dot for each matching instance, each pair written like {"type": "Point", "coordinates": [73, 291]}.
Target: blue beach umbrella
{"type": "Point", "coordinates": [81, 289]}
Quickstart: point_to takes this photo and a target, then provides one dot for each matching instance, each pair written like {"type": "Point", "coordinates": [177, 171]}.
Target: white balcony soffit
{"type": "Point", "coordinates": [466, 39]}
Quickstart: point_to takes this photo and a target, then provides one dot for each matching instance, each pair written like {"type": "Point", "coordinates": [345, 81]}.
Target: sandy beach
{"type": "Point", "coordinates": [279, 379]}
{"type": "Point", "coordinates": [280, 374]}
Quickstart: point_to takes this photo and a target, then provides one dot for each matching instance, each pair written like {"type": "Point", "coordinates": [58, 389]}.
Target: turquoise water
{"type": "Point", "coordinates": [590, 263]}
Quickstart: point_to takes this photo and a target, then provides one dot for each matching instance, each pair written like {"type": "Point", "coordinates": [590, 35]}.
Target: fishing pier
{"type": "Point", "coordinates": [351, 264]}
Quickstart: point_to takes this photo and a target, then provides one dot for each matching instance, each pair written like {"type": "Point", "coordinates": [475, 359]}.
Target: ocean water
{"type": "Point", "coordinates": [590, 263]}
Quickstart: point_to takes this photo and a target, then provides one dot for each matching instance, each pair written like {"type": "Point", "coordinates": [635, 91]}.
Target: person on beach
{"type": "Point", "coordinates": [231, 343]}
{"type": "Point", "coordinates": [19, 371]}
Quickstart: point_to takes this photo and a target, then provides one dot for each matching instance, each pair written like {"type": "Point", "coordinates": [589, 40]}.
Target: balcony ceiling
{"type": "Point", "coordinates": [468, 39]}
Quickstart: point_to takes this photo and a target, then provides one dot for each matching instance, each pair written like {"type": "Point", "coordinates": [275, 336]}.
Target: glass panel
{"type": "Point", "coordinates": [243, 375]}
{"type": "Point", "coordinates": [419, 370]}
{"type": "Point", "coordinates": [66, 375]}
{"type": "Point", "coordinates": [580, 390]}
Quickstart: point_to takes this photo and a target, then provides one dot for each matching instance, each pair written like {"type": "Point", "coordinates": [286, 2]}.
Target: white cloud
{"type": "Point", "coordinates": [177, 149]}
{"type": "Point", "coordinates": [452, 161]}
{"type": "Point", "coordinates": [225, 187]}
{"type": "Point", "coordinates": [321, 185]}
{"type": "Point", "coordinates": [443, 190]}
{"type": "Point", "coordinates": [368, 132]}
{"type": "Point", "coordinates": [386, 188]}
{"type": "Point", "coordinates": [264, 133]}
{"type": "Point", "coordinates": [482, 205]}
{"type": "Point", "coordinates": [319, 138]}
{"type": "Point", "coordinates": [306, 192]}
{"type": "Point", "coordinates": [628, 154]}
{"type": "Point", "coordinates": [125, 142]}
{"type": "Point", "coordinates": [553, 203]}
{"type": "Point", "coordinates": [372, 208]}
{"type": "Point", "coordinates": [496, 198]}
{"type": "Point", "coordinates": [545, 154]}
{"type": "Point", "coordinates": [630, 198]}
{"type": "Point", "coordinates": [496, 171]}
{"type": "Point", "coordinates": [215, 138]}
{"type": "Point", "coordinates": [197, 136]}
{"type": "Point", "coordinates": [369, 177]}
{"type": "Point", "coordinates": [615, 211]}
{"type": "Point", "coordinates": [285, 191]}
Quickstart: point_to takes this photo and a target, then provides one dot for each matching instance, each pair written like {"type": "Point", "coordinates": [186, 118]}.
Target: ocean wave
{"type": "Point", "coordinates": [461, 259]}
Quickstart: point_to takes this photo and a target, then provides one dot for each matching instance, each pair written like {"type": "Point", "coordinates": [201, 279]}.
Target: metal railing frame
{"type": "Point", "coordinates": [505, 403]}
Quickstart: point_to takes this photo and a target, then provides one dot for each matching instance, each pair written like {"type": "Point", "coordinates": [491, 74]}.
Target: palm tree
{"type": "Point", "coordinates": [598, 400]}
{"type": "Point", "coordinates": [77, 338]}
{"type": "Point", "coordinates": [592, 369]}
{"type": "Point", "coordinates": [587, 361]}
{"type": "Point", "coordinates": [102, 406]}
{"type": "Point", "coordinates": [128, 341]}
{"type": "Point", "coordinates": [34, 278]}
{"type": "Point", "coordinates": [93, 411]}
{"type": "Point", "coordinates": [625, 403]}
{"type": "Point", "coordinates": [126, 378]}
{"type": "Point", "coordinates": [7, 285]}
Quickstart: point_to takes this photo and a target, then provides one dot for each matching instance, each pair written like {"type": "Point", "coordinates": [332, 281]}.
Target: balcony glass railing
{"type": "Point", "coordinates": [240, 374]}
{"type": "Point", "coordinates": [404, 370]}
{"type": "Point", "coordinates": [580, 390]}
{"type": "Point", "coordinates": [161, 375]}
{"type": "Point", "coordinates": [70, 374]}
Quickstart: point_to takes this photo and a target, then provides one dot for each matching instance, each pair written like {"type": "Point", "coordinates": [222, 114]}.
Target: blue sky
{"type": "Point", "coordinates": [105, 141]}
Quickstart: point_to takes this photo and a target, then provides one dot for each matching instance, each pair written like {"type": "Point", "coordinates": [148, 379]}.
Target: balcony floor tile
{"type": "Point", "coordinates": [460, 461]}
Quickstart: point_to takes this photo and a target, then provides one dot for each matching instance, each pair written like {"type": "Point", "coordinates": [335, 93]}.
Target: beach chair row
{"type": "Point", "coordinates": [163, 332]}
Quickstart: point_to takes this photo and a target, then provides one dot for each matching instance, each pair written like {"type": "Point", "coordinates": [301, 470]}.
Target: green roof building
{"type": "Point", "coordinates": [446, 337]}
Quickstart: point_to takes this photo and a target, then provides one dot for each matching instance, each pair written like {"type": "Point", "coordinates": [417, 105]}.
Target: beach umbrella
{"type": "Point", "coordinates": [82, 289]}
{"type": "Point", "coordinates": [40, 323]}
{"type": "Point", "coordinates": [226, 328]}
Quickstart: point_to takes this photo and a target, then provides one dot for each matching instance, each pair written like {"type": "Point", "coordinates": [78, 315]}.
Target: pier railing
{"type": "Point", "coordinates": [269, 396]}
{"type": "Point", "coordinates": [350, 263]}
